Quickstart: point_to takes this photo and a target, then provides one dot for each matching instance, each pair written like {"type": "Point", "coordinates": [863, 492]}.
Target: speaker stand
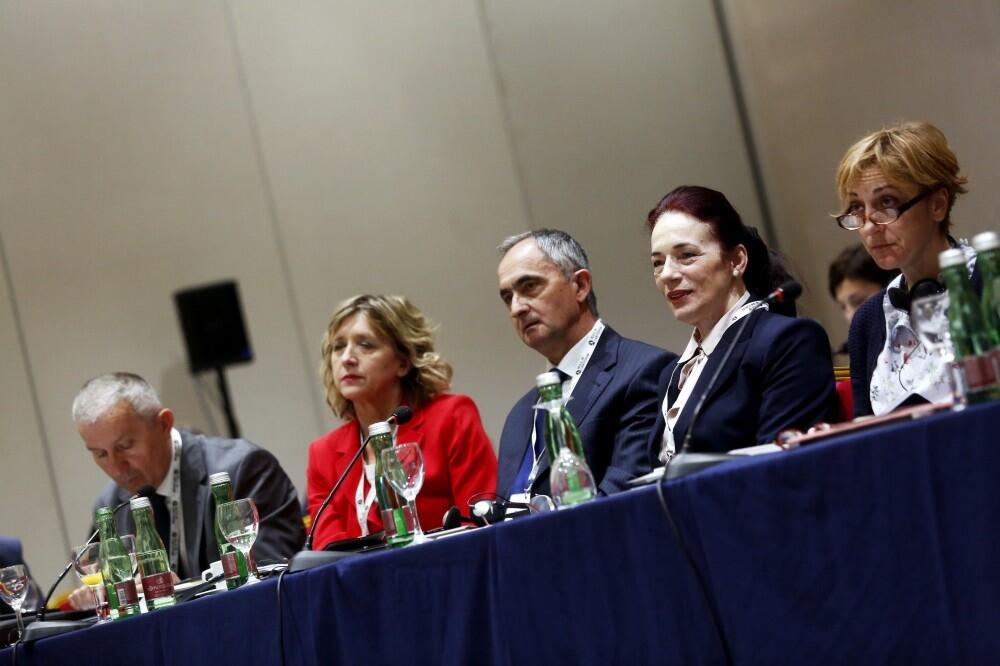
{"type": "Point", "coordinates": [227, 404]}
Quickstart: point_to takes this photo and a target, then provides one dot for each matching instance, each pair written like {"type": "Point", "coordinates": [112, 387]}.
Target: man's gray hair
{"type": "Point", "coordinates": [101, 394]}
{"type": "Point", "coordinates": [561, 249]}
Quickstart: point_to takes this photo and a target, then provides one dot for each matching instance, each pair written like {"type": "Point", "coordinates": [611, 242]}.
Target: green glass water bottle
{"type": "Point", "coordinates": [234, 565]}
{"type": "Point", "coordinates": [968, 334]}
{"type": "Point", "coordinates": [116, 568]}
{"type": "Point", "coordinates": [154, 563]}
{"type": "Point", "coordinates": [570, 479]}
{"type": "Point", "coordinates": [395, 512]}
{"type": "Point", "coordinates": [987, 245]}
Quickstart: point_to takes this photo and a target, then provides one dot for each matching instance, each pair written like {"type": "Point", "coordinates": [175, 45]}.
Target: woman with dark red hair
{"type": "Point", "coordinates": [713, 271]}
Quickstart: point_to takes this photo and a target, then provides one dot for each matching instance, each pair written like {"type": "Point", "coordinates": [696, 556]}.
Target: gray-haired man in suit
{"type": "Point", "coordinates": [132, 438]}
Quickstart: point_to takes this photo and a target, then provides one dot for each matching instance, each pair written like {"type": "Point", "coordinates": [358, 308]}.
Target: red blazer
{"type": "Point", "coordinates": [458, 462]}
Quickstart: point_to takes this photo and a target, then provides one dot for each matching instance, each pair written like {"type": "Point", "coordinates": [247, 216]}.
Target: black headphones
{"type": "Point", "coordinates": [901, 299]}
{"type": "Point", "coordinates": [484, 509]}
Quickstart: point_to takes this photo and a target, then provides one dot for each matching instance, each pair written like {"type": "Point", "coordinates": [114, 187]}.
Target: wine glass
{"type": "Point", "coordinates": [403, 466]}
{"type": "Point", "coordinates": [128, 540]}
{"type": "Point", "coordinates": [929, 317]}
{"type": "Point", "coordinates": [14, 590]}
{"type": "Point", "coordinates": [238, 522]}
{"type": "Point", "coordinates": [87, 562]}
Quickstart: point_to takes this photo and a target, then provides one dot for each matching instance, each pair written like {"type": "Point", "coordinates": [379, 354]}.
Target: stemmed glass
{"type": "Point", "coordinates": [14, 590]}
{"type": "Point", "coordinates": [87, 562]}
{"type": "Point", "coordinates": [403, 465]}
{"type": "Point", "coordinates": [238, 522]}
{"type": "Point", "coordinates": [929, 317]}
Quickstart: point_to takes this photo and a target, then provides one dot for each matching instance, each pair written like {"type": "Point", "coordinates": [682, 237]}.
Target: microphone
{"type": "Point", "coordinates": [307, 558]}
{"type": "Point", "coordinates": [35, 630]}
{"type": "Point", "coordinates": [685, 462]}
{"type": "Point", "coordinates": [400, 415]}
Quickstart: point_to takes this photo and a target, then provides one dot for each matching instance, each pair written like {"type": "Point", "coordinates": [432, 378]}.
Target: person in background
{"type": "Point", "coordinates": [132, 438]}
{"type": "Point", "coordinates": [546, 285]}
{"type": "Point", "coordinates": [898, 186]}
{"type": "Point", "coordinates": [853, 278]}
{"type": "Point", "coordinates": [378, 353]}
{"type": "Point", "coordinates": [713, 271]}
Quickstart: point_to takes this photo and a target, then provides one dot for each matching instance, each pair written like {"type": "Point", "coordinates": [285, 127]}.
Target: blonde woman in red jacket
{"type": "Point", "coordinates": [378, 353]}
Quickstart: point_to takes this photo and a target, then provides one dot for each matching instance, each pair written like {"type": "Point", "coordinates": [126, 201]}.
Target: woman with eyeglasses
{"type": "Point", "coordinates": [714, 271]}
{"type": "Point", "coordinates": [898, 186]}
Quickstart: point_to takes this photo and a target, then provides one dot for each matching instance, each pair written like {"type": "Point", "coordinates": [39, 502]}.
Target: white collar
{"type": "Point", "coordinates": [571, 360]}
{"type": "Point", "coordinates": [711, 341]}
{"type": "Point", "coordinates": [166, 485]}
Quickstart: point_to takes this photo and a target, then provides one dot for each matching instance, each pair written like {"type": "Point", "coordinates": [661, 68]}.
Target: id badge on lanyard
{"type": "Point", "coordinates": [175, 502]}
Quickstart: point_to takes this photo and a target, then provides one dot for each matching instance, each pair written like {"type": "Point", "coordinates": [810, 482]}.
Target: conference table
{"type": "Point", "coordinates": [876, 546]}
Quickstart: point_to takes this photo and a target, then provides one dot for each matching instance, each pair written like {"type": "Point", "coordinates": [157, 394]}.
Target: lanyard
{"type": "Point", "coordinates": [175, 501]}
{"type": "Point", "coordinates": [568, 386]}
{"type": "Point", "coordinates": [362, 502]}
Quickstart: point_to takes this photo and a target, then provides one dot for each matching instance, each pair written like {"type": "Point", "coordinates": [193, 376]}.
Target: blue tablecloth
{"type": "Point", "coordinates": [874, 547]}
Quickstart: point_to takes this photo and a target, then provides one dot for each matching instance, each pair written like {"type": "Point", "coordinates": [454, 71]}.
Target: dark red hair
{"type": "Point", "coordinates": [765, 268]}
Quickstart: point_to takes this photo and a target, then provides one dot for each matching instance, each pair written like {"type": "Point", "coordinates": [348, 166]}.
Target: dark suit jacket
{"type": "Point", "coordinates": [779, 375]}
{"type": "Point", "coordinates": [614, 405]}
{"type": "Point", "coordinates": [254, 472]}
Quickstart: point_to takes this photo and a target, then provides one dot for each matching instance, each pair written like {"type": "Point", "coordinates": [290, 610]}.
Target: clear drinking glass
{"type": "Point", "coordinates": [87, 562]}
{"type": "Point", "coordinates": [403, 465]}
{"type": "Point", "coordinates": [929, 318]}
{"type": "Point", "coordinates": [238, 522]}
{"type": "Point", "coordinates": [14, 590]}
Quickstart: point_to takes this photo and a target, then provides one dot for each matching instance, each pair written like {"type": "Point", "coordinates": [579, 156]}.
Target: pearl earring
{"type": "Point", "coordinates": [736, 273]}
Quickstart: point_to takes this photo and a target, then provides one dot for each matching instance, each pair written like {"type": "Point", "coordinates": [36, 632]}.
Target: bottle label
{"type": "Point", "coordinates": [978, 372]}
{"type": "Point", "coordinates": [126, 593]}
{"type": "Point", "coordinates": [230, 565]}
{"type": "Point", "coordinates": [158, 585]}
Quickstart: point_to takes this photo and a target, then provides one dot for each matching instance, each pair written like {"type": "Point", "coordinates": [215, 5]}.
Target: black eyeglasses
{"type": "Point", "coordinates": [854, 221]}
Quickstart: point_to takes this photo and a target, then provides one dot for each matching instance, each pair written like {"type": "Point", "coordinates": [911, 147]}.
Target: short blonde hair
{"type": "Point", "coordinates": [405, 327]}
{"type": "Point", "coordinates": [913, 152]}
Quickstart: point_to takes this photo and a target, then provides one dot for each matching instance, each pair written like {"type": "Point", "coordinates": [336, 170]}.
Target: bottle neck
{"type": "Point", "coordinates": [106, 526]}
{"type": "Point", "coordinates": [222, 492]}
{"type": "Point", "coordinates": [956, 280]}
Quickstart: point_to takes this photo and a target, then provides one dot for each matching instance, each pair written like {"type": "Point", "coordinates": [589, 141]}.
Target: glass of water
{"type": "Point", "coordinates": [929, 317]}
{"type": "Point", "coordinates": [14, 590]}
{"type": "Point", "coordinates": [403, 465]}
{"type": "Point", "coordinates": [238, 522]}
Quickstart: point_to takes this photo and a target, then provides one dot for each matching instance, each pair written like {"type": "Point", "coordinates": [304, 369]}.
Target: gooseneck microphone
{"type": "Point", "coordinates": [39, 628]}
{"type": "Point", "coordinates": [684, 463]}
{"type": "Point", "coordinates": [307, 558]}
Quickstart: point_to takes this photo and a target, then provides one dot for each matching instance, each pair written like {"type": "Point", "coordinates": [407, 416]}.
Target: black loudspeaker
{"type": "Point", "coordinates": [212, 321]}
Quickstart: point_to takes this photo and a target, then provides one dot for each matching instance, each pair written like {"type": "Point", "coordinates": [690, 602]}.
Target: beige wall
{"type": "Point", "coordinates": [313, 150]}
{"type": "Point", "coordinates": [820, 75]}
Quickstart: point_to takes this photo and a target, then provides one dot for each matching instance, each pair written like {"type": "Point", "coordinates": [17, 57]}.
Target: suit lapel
{"type": "Point", "coordinates": [714, 359]}
{"type": "Point", "coordinates": [194, 497]}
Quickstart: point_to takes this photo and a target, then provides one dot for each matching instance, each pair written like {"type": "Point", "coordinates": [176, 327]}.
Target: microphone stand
{"type": "Point", "coordinates": [41, 628]}
{"type": "Point", "coordinates": [307, 558]}
{"type": "Point", "coordinates": [687, 462]}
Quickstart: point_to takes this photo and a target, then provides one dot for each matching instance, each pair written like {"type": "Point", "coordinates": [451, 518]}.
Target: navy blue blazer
{"type": "Point", "coordinates": [779, 375]}
{"type": "Point", "coordinates": [614, 405]}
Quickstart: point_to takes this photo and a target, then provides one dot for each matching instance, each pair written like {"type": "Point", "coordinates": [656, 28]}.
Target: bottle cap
{"type": "Point", "coordinates": [379, 428]}
{"type": "Point", "coordinates": [988, 240]}
{"type": "Point", "coordinates": [218, 477]}
{"type": "Point", "coordinates": [952, 257]}
{"type": "Point", "coordinates": [139, 503]}
{"type": "Point", "coordinates": [547, 379]}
